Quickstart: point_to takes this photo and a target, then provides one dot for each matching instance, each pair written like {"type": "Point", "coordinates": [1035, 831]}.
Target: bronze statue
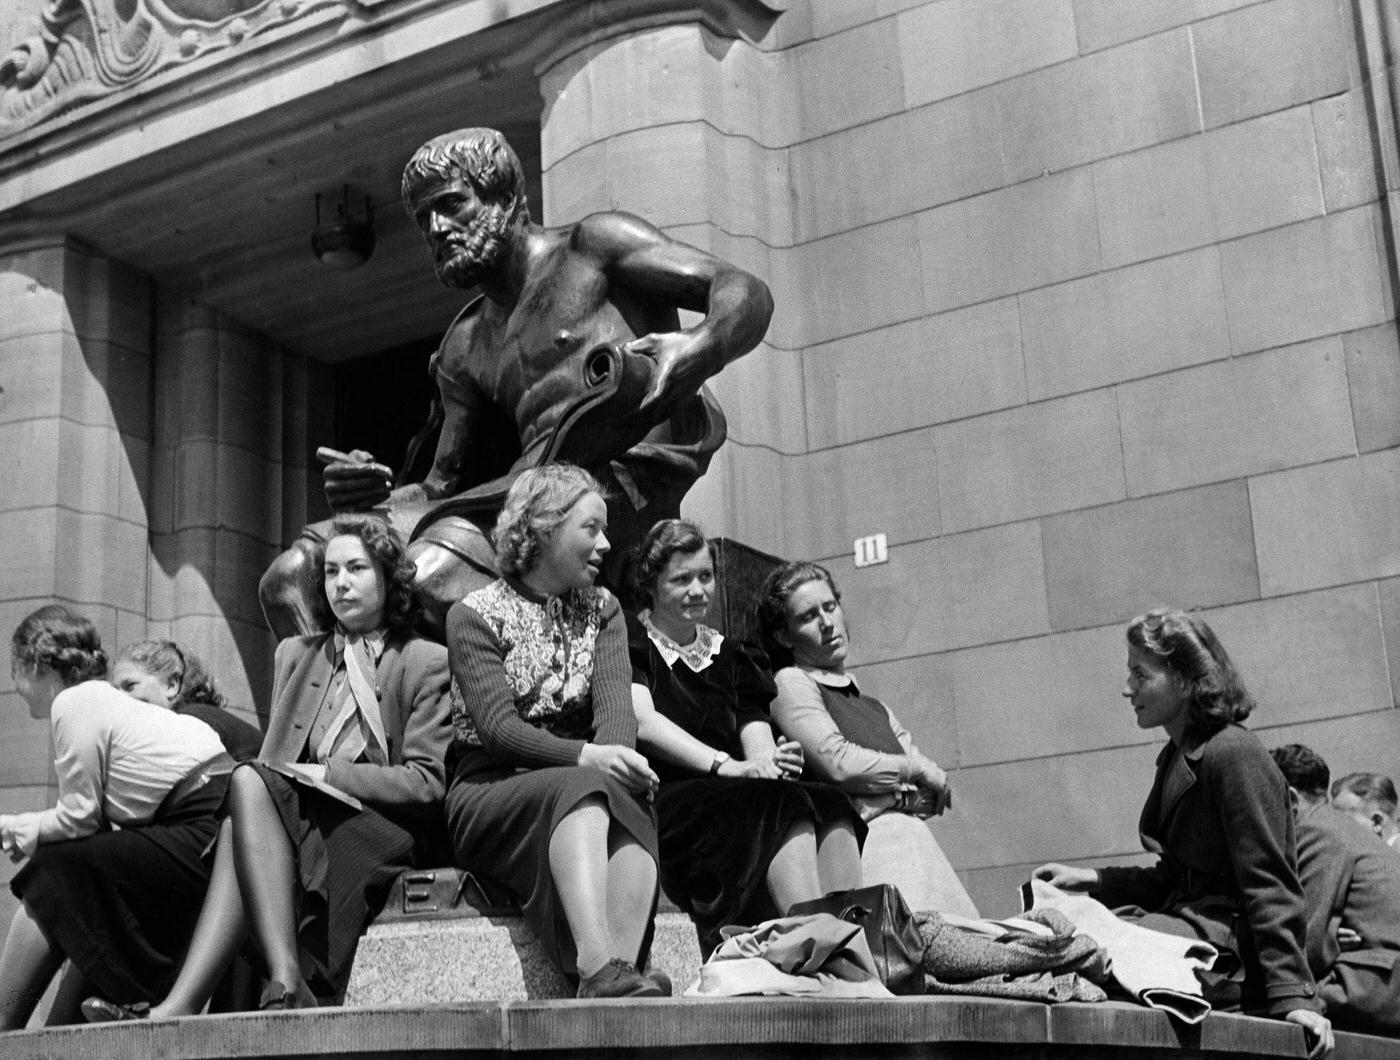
{"type": "Point", "coordinates": [572, 350]}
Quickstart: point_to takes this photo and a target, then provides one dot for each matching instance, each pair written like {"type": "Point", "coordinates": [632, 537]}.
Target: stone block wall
{"type": "Point", "coordinates": [1088, 306]}
{"type": "Point", "coordinates": [155, 460]}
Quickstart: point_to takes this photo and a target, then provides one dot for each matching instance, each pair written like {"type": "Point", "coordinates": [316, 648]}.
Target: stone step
{"type": "Point", "coordinates": [487, 957]}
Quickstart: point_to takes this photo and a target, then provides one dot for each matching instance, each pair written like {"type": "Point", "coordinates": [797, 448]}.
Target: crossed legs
{"type": "Point", "coordinates": [252, 887]}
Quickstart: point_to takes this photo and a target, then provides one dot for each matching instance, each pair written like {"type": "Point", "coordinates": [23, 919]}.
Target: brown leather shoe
{"type": "Point", "coordinates": [617, 978]}
{"type": "Point", "coordinates": [659, 979]}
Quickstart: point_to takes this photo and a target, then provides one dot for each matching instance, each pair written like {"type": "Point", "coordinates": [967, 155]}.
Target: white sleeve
{"type": "Point", "coordinates": [81, 734]}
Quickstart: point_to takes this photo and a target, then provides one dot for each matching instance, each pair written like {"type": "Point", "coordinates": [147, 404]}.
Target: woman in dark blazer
{"type": "Point", "coordinates": [1219, 816]}
{"type": "Point", "coordinates": [350, 774]}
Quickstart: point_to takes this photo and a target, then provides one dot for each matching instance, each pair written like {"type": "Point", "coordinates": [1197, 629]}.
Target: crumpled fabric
{"type": "Point", "coordinates": [961, 949]}
{"type": "Point", "coordinates": [1157, 969]}
{"type": "Point", "coordinates": [1042, 986]}
{"type": "Point", "coordinates": [802, 956]}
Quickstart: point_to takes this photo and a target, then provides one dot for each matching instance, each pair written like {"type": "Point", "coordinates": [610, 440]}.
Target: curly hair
{"type": "Point", "coordinates": [402, 608]}
{"type": "Point", "coordinates": [1198, 663]}
{"type": "Point", "coordinates": [169, 661]}
{"type": "Point", "coordinates": [771, 610]}
{"type": "Point", "coordinates": [1303, 768]}
{"type": "Point", "coordinates": [481, 156]}
{"type": "Point", "coordinates": [538, 502]}
{"type": "Point", "coordinates": [59, 639]}
{"type": "Point", "coordinates": [667, 538]}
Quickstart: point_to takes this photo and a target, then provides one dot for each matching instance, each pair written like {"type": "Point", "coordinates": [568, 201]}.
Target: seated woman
{"type": "Point", "coordinates": [165, 674]}
{"type": "Point", "coordinates": [550, 797]}
{"type": "Point", "coordinates": [854, 741]}
{"type": "Point", "coordinates": [741, 838]}
{"type": "Point", "coordinates": [120, 904]}
{"type": "Point", "coordinates": [350, 775]}
{"type": "Point", "coordinates": [1219, 815]}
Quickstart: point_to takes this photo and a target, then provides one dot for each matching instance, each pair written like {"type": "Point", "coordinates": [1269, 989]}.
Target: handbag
{"type": "Point", "coordinates": [444, 894]}
{"type": "Point", "coordinates": [895, 941]}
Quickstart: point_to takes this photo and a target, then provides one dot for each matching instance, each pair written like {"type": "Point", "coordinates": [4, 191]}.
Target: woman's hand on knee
{"type": "Point", "coordinates": [628, 767]}
{"type": "Point", "coordinates": [1067, 877]}
{"type": "Point", "coordinates": [1318, 1031]}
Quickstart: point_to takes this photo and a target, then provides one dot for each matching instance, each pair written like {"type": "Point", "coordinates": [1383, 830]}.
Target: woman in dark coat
{"type": "Point", "coordinates": [350, 775]}
{"type": "Point", "coordinates": [742, 838]}
{"type": "Point", "coordinates": [1219, 815]}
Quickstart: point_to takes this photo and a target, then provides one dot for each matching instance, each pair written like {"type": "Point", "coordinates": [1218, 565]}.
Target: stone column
{"type": "Point", "coordinates": [75, 373]}
{"type": "Point", "coordinates": [229, 484]}
{"type": "Point", "coordinates": [666, 120]}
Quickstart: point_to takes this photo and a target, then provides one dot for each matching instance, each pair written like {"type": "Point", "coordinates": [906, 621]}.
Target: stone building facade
{"type": "Point", "coordinates": [1088, 305]}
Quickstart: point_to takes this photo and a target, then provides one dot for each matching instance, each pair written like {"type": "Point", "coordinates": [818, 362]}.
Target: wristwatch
{"type": "Point", "coordinates": [720, 759]}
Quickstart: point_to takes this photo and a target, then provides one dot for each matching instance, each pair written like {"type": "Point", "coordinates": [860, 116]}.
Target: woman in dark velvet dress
{"type": "Point", "coordinates": [741, 838]}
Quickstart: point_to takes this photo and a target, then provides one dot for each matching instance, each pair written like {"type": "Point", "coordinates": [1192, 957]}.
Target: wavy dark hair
{"type": "Point", "coordinates": [770, 612]}
{"type": "Point", "coordinates": [667, 538]}
{"type": "Point", "coordinates": [538, 502]}
{"type": "Point", "coordinates": [402, 608]}
{"type": "Point", "coordinates": [170, 661]}
{"type": "Point", "coordinates": [1198, 663]}
{"type": "Point", "coordinates": [57, 638]}
{"type": "Point", "coordinates": [1303, 768]}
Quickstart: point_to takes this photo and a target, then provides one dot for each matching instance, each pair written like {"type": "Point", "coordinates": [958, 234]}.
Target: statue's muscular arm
{"type": "Point", "coordinates": [640, 257]}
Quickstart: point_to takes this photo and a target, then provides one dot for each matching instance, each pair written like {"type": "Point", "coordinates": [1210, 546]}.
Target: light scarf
{"type": "Point", "coordinates": [357, 728]}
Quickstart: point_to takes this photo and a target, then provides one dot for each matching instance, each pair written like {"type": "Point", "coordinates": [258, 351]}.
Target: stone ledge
{"type": "Point", "coordinates": [931, 1028]}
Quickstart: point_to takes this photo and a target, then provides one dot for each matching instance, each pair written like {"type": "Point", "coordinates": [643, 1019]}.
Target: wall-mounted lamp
{"type": "Point", "coordinates": [347, 242]}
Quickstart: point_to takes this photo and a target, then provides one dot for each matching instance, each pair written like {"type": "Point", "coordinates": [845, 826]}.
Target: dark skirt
{"type": "Point", "coordinates": [122, 905]}
{"type": "Point", "coordinates": [346, 860]}
{"type": "Point", "coordinates": [718, 835]}
{"type": "Point", "coordinates": [501, 821]}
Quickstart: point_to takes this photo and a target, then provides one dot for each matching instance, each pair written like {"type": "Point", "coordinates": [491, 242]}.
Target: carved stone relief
{"type": "Point", "coordinates": [87, 49]}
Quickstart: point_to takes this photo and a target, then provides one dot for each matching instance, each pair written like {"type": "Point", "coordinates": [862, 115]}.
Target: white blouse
{"type": "Point", "coordinates": [117, 758]}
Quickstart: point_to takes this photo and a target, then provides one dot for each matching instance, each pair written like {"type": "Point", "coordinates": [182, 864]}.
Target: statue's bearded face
{"type": "Point", "coordinates": [466, 234]}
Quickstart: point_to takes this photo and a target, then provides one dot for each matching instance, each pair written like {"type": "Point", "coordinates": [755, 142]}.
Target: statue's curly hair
{"type": "Point", "coordinates": [538, 502]}
{"type": "Point", "coordinates": [402, 608]}
{"type": "Point", "coordinates": [170, 661]}
{"type": "Point", "coordinates": [482, 156]}
{"type": "Point", "coordinates": [1198, 663]}
{"type": "Point", "coordinates": [59, 639]}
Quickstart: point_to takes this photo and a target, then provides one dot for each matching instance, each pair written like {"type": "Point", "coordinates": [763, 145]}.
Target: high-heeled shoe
{"type": "Point", "coordinates": [100, 1010]}
{"type": "Point", "coordinates": [278, 998]}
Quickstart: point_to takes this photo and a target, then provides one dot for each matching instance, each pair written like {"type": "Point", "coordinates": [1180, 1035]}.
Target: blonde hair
{"type": "Point", "coordinates": [538, 502]}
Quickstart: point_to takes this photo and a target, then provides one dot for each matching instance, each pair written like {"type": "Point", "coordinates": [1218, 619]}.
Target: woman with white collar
{"type": "Point", "coordinates": [742, 839]}
{"type": "Point", "coordinates": [854, 741]}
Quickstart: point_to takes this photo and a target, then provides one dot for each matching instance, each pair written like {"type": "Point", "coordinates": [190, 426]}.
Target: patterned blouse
{"type": "Point", "coordinates": [534, 677]}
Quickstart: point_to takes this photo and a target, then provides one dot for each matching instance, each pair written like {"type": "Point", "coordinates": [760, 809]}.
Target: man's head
{"type": "Point", "coordinates": [1305, 772]}
{"type": "Point", "coordinates": [1370, 798]}
{"type": "Point", "coordinates": [464, 190]}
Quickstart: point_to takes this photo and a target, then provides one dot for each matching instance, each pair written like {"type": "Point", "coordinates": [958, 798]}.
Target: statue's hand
{"type": "Point", "coordinates": [681, 365]}
{"type": "Point", "coordinates": [353, 481]}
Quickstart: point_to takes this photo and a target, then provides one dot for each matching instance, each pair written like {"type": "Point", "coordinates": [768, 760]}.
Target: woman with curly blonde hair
{"type": "Point", "coordinates": [549, 796]}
